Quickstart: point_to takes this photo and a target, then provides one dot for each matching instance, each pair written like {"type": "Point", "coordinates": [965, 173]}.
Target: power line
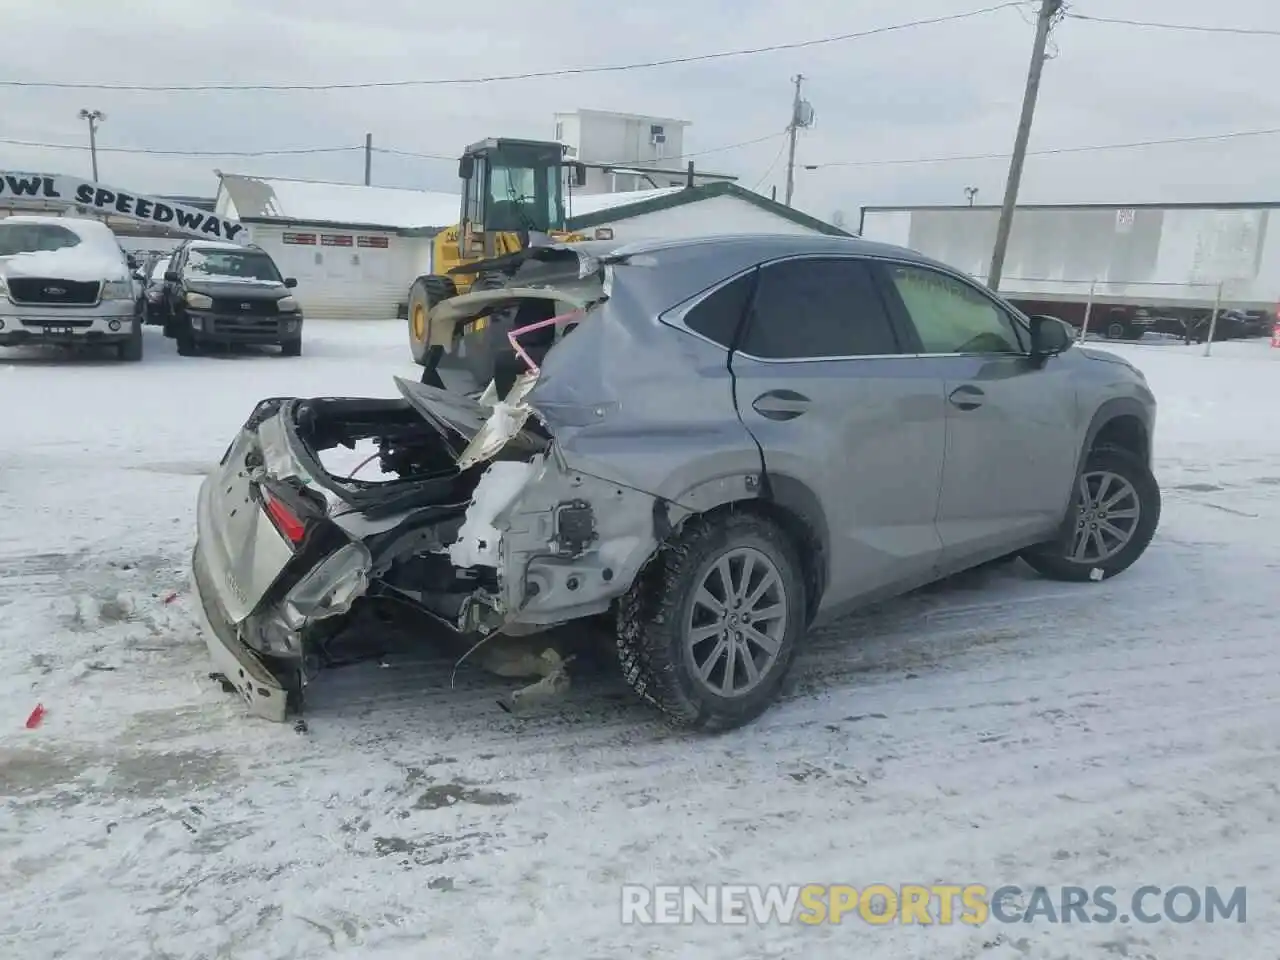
{"type": "Point", "coordinates": [887, 162]}
{"type": "Point", "coordinates": [606, 163]}
{"type": "Point", "coordinates": [1186, 27]}
{"type": "Point", "coordinates": [181, 153]}
{"type": "Point", "coordinates": [506, 77]}
{"type": "Point", "coordinates": [306, 151]}
{"type": "Point", "coordinates": [765, 176]}
{"type": "Point", "coordinates": [1053, 151]}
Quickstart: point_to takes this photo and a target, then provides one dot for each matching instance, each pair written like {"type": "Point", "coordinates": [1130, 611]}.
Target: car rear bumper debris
{"type": "Point", "coordinates": [232, 660]}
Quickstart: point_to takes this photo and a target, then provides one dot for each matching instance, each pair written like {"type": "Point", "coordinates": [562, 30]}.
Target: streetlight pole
{"type": "Point", "coordinates": [93, 117]}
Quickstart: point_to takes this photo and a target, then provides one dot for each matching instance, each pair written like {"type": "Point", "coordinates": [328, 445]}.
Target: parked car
{"type": "Point", "coordinates": [151, 278]}
{"type": "Point", "coordinates": [1237, 325]}
{"type": "Point", "coordinates": [741, 437]}
{"type": "Point", "coordinates": [65, 281]}
{"type": "Point", "coordinates": [222, 293]}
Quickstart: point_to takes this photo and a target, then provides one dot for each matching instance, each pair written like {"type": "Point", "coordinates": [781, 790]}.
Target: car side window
{"type": "Point", "coordinates": [950, 316]}
{"type": "Point", "coordinates": [718, 315]}
{"type": "Point", "coordinates": [810, 308]}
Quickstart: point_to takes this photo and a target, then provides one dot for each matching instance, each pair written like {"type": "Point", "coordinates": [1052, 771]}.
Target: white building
{"type": "Point", "coordinates": [354, 250]}
{"type": "Point", "coordinates": [627, 151]}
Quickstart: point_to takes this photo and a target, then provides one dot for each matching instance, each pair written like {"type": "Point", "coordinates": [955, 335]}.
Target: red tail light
{"type": "Point", "coordinates": [286, 521]}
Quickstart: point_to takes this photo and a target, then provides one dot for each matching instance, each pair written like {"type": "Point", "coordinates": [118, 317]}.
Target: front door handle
{"type": "Point", "coordinates": [780, 404]}
{"type": "Point", "coordinates": [966, 397]}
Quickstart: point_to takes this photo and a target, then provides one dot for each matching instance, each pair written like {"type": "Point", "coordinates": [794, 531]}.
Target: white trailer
{"type": "Point", "coordinates": [1144, 255]}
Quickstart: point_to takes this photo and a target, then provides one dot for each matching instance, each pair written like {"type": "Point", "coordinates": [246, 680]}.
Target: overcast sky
{"type": "Point", "coordinates": [939, 90]}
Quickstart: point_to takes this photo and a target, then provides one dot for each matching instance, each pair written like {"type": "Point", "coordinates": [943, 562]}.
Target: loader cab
{"type": "Point", "coordinates": [511, 187]}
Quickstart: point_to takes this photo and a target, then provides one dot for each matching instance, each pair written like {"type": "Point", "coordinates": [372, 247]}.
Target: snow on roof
{"type": "Point", "coordinates": [583, 204]}
{"type": "Point", "coordinates": [215, 245]}
{"type": "Point", "coordinates": [348, 203]}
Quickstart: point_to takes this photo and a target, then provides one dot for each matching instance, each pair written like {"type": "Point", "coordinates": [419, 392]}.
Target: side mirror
{"type": "Point", "coordinates": [1050, 336]}
{"type": "Point", "coordinates": [466, 167]}
{"type": "Point", "coordinates": [290, 282]}
{"type": "Point", "coordinates": [172, 276]}
{"type": "Point", "coordinates": [579, 174]}
{"type": "Point", "coordinates": [132, 261]}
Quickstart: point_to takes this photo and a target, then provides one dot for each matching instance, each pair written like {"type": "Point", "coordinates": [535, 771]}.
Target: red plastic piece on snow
{"type": "Point", "coordinates": [37, 715]}
{"type": "Point", "coordinates": [170, 598]}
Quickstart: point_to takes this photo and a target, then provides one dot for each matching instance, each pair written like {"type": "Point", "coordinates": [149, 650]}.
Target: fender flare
{"type": "Point", "coordinates": [783, 491]}
{"type": "Point", "coordinates": [1111, 410]}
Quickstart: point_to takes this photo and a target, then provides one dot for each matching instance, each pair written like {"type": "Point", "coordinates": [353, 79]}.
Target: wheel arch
{"type": "Point", "coordinates": [1123, 423]}
{"type": "Point", "coordinates": [782, 499]}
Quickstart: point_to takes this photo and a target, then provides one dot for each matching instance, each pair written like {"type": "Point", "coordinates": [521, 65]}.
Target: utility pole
{"type": "Point", "coordinates": [797, 105]}
{"type": "Point", "coordinates": [368, 158]}
{"type": "Point", "coordinates": [93, 116]}
{"type": "Point", "coordinates": [1044, 23]}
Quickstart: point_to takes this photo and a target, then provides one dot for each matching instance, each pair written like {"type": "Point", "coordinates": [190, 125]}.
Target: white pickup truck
{"type": "Point", "coordinates": [65, 281]}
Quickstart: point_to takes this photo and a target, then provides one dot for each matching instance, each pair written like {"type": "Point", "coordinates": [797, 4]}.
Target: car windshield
{"type": "Point", "coordinates": [34, 238]}
{"type": "Point", "coordinates": [231, 265]}
{"type": "Point", "coordinates": [158, 270]}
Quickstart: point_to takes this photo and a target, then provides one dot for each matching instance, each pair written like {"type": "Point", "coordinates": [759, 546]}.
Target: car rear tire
{"type": "Point", "coordinates": [1113, 516]}
{"type": "Point", "coordinates": [291, 348]}
{"type": "Point", "coordinates": [131, 350]}
{"type": "Point", "coordinates": [425, 293]}
{"type": "Point", "coordinates": [1115, 330]}
{"type": "Point", "coordinates": [712, 653]}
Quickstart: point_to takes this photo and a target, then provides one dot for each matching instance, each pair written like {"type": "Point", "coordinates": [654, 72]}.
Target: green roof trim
{"type": "Point", "coordinates": [703, 192]}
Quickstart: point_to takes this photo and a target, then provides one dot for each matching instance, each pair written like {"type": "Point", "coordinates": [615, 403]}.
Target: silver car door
{"type": "Point", "coordinates": [837, 408]}
{"type": "Point", "coordinates": [1012, 424]}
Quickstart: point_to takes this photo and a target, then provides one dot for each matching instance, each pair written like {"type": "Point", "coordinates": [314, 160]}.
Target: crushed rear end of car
{"type": "Point", "coordinates": [532, 505]}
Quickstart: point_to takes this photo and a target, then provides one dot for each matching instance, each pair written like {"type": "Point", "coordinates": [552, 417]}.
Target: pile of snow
{"type": "Point", "coordinates": [96, 257]}
{"type": "Point", "coordinates": [70, 263]}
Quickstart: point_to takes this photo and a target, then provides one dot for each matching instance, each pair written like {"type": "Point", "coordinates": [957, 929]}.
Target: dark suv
{"type": "Point", "coordinates": [223, 293]}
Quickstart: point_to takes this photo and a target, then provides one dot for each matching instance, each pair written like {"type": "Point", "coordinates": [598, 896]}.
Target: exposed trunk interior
{"type": "Point", "coordinates": [412, 463]}
{"type": "Point", "coordinates": [415, 461]}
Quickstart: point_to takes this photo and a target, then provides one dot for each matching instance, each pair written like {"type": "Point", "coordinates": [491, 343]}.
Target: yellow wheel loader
{"type": "Point", "coordinates": [512, 198]}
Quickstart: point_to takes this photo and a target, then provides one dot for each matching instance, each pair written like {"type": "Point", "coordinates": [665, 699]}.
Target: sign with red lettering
{"type": "Point", "coordinates": [377, 242]}
{"type": "Point", "coordinates": [335, 240]}
{"type": "Point", "coordinates": [307, 239]}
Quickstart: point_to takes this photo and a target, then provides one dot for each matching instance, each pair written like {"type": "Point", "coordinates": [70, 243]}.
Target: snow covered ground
{"type": "Point", "coordinates": [998, 729]}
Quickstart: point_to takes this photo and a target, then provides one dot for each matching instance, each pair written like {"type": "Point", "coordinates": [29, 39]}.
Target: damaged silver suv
{"type": "Point", "coordinates": [715, 443]}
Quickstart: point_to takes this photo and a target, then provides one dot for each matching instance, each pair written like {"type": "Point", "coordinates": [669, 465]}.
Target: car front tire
{"type": "Point", "coordinates": [710, 628]}
{"type": "Point", "coordinates": [1114, 513]}
{"type": "Point", "coordinates": [131, 350]}
{"type": "Point", "coordinates": [291, 348]}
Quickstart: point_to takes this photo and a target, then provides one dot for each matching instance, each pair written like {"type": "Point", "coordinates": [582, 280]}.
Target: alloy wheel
{"type": "Point", "coordinates": [737, 622]}
{"type": "Point", "coordinates": [1107, 515]}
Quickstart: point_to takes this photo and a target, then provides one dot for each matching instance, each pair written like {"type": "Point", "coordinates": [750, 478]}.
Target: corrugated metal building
{"type": "Point", "coordinates": [353, 249]}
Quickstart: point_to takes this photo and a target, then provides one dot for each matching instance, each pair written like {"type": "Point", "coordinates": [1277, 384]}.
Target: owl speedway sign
{"type": "Point", "coordinates": [112, 201]}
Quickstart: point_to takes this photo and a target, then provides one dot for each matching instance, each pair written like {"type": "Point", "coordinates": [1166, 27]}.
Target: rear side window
{"type": "Point", "coordinates": [818, 308]}
{"type": "Point", "coordinates": [717, 317]}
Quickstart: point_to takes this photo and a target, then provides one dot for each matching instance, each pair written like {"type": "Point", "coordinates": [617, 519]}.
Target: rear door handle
{"type": "Point", "coordinates": [966, 397]}
{"type": "Point", "coordinates": [780, 404]}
